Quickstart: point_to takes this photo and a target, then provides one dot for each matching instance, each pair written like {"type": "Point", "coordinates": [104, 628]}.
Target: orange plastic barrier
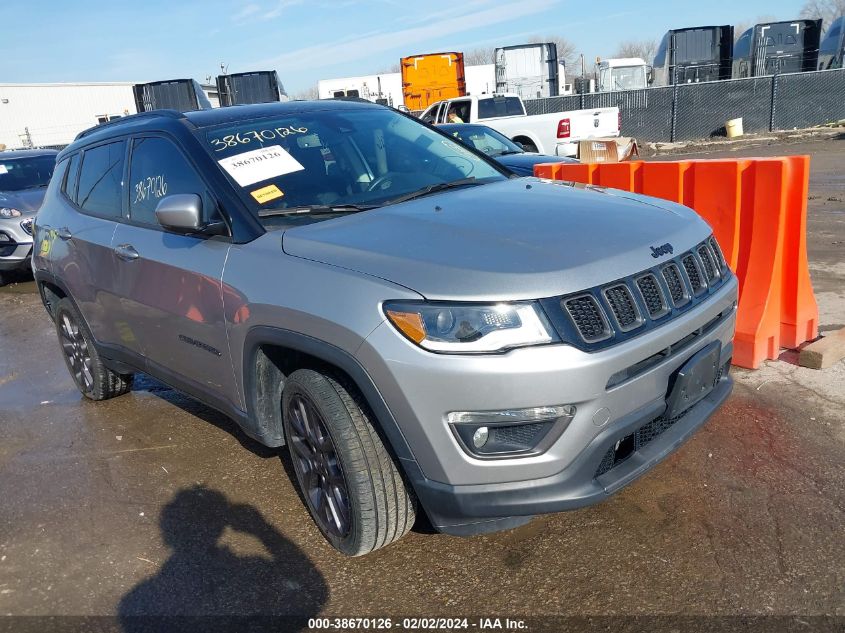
{"type": "Point", "coordinates": [758, 210]}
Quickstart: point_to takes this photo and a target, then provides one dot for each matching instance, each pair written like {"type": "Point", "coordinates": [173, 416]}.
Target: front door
{"type": "Point", "coordinates": [171, 283]}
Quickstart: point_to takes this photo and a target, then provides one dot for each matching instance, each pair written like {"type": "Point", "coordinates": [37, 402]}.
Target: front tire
{"type": "Point", "coordinates": [93, 379]}
{"type": "Point", "coordinates": [351, 485]}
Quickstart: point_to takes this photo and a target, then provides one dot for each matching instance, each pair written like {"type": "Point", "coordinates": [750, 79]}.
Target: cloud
{"type": "Point", "coordinates": [367, 45]}
{"type": "Point", "coordinates": [247, 11]}
{"type": "Point", "coordinates": [281, 7]}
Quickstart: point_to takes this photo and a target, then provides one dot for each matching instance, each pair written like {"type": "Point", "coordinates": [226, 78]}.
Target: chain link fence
{"type": "Point", "coordinates": [695, 111]}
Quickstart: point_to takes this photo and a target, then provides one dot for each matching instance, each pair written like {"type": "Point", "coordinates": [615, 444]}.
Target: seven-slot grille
{"type": "Point", "coordinates": [652, 295]}
{"type": "Point", "coordinates": [588, 318]}
{"type": "Point", "coordinates": [694, 275]}
{"type": "Point", "coordinates": [624, 308]}
{"type": "Point", "coordinates": [709, 262]}
{"type": "Point", "coordinates": [672, 275]}
{"type": "Point", "coordinates": [659, 292]}
{"type": "Point", "coordinates": [717, 252]}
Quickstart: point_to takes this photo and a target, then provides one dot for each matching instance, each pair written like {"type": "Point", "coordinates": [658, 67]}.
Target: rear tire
{"type": "Point", "coordinates": [528, 146]}
{"type": "Point", "coordinates": [93, 379]}
{"type": "Point", "coordinates": [350, 483]}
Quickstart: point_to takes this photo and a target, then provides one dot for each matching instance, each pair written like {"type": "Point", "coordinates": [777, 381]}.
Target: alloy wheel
{"type": "Point", "coordinates": [317, 467]}
{"type": "Point", "coordinates": [76, 352]}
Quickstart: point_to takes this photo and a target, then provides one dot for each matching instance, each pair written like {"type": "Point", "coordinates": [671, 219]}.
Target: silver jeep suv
{"type": "Point", "coordinates": [421, 328]}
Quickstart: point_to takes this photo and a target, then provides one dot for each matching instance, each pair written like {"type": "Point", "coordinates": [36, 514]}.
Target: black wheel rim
{"type": "Point", "coordinates": [76, 352]}
{"type": "Point", "coordinates": [318, 468]}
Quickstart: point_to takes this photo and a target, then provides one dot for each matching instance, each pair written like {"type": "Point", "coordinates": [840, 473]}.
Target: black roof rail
{"type": "Point", "coordinates": [170, 114]}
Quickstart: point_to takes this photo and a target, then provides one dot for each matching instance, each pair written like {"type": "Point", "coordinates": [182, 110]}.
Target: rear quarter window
{"type": "Point", "coordinates": [69, 184]}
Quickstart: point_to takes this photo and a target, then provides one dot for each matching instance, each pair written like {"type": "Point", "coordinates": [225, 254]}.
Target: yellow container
{"type": "Point", "coordinates": [734, 127]}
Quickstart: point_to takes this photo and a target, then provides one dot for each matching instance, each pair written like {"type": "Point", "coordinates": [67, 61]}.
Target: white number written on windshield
{"type": "Point", "coordinates": [259, 136]}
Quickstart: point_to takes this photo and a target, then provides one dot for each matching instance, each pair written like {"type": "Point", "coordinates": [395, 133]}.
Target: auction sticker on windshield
{"type": "Point", "coordinates": [251, 167]}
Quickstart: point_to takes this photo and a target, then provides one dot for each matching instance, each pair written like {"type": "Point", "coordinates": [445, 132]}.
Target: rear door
{"type": "Point", "coordinates": [80, 247]}
{"type": "Point", "coordinates": [170, 282]}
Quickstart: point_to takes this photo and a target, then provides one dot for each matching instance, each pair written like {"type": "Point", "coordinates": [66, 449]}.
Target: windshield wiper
{"type": "Point", "coordinates": [429, 189]}
{"type": "Point", "coordinates": [316, 209]}
{"type": "Point", "coordinates": [508, 152]}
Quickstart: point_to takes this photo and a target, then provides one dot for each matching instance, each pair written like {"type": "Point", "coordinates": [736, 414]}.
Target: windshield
{"type": "Point", "coordinates": [483, 139]}
{"type": "Point", "coordinates": [29, 172]}
{"type": "Point", "coordinates": [627, 78]}
{"type": "Point", "coordinates": [364, 157]}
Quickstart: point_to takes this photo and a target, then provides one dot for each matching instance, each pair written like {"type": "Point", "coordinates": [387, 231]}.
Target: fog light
{"type": "Point", "coordinates": [479, 438]}
{"type": "Point", "coordinates": [510, 432]}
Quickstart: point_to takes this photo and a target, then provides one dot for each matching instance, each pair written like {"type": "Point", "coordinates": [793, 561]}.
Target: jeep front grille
{"type": "Point", "coordinates": [717, 252]}
{"type": "Point", "coordinates": [672, 275]}
{"type": "Point", "coordinates": [652, 295]}
{"type": "Point", "coordinates": [694, 275]}
{"type": "Point", "coordinates": [709, 262]}
{"type": "Point", "coordinates": [602, 316]}
{"type": "Point", "coordinates": [588, 317]}
{"type": "Point", "coordinates": [624, 308]}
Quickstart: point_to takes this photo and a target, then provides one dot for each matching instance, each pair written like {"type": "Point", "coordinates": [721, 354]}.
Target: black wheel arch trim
{"type": "Point", "coordinates": [266, 335]}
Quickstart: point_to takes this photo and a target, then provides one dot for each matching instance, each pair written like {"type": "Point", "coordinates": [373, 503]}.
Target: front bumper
{"type": "Point", "coordinates": [15, 245]}
{"type": "Point", "coordinates": [467, 510]}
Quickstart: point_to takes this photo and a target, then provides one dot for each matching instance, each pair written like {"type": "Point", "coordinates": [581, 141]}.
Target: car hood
{"type": "Point", "coordinates": [523, 164]}
{"type": "Point", "coordinates": [516, 239]}
{"type": "Point", "coordinates": [27, 201]}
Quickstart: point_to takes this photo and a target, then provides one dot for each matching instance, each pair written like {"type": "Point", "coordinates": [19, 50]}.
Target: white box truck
{"type": "Point", "coordinates": [531, 71]}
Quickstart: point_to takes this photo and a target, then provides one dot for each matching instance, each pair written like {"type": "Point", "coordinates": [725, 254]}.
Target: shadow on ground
{"type": "Point", "coordinates": [206, 586]}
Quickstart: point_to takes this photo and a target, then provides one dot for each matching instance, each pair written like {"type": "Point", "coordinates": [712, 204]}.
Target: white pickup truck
{"type": "Point", "coordinates": [557, 133]}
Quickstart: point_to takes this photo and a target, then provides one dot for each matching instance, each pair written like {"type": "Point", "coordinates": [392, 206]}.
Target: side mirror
{"type": "Point", "coordinates": [520, 145]}
{"type": "Point", "coordinates": [180, 212]}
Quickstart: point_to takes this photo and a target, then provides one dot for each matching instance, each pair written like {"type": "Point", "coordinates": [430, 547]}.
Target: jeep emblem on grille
{"type": "Point", "coordinates": [665, 249]}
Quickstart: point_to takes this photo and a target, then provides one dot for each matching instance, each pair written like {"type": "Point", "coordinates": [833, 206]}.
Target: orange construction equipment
{"type": "Point", "coordinates": [758, 210]}
{"type": "Point", "coordinates": [432, 77]}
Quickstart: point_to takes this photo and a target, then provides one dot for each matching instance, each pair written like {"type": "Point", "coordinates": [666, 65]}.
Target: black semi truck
{"type": "Point", "coordinates": [832, 47]}
{"type": "Point", "coordinates": [691, 55]}
{"type": "Point", "coordinates": [183, 95]}
{"type": "Point", "coordinates": [777, 47]}
{"type": "Point", "coordinates": [262, 86]}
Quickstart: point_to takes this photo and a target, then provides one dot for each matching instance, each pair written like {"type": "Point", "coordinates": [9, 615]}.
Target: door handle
{"type": "Point", "coordinates": [64, 233]}
{"type": "Point", "coordinates": [126, 252]}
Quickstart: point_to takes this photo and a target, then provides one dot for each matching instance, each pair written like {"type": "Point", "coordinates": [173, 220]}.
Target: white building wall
{"type": "Point", "coordinates": [55, 113]}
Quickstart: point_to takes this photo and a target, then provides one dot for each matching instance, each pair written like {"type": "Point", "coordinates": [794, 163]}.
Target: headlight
{"type": "Point", "coordinates": [471, 328]}
{"type": "Point", "coordinates": [7, 212]}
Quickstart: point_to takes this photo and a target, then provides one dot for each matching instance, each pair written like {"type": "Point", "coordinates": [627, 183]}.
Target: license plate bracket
{"type": "Point", "coordinates": [694, 380]}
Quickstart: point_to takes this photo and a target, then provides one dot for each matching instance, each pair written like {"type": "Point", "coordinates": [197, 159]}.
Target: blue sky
{"type": "Point", "coordinates": [307, 40]}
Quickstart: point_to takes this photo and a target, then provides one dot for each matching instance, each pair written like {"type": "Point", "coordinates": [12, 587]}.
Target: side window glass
{"type": "Point", "coordinates": [58, 179]}
{"type": "Point", "coordinates": [101, 180]}
{"type": "Point", "coordinates": [159, 169]}
{"type": "Point", "coordinates": [69, 185]}
{"type": "Point", "coordinates": [431, 114]}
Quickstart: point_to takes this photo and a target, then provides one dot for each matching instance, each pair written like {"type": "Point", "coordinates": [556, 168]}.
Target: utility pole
{"type": "Point", "coordinates": [26, 137]}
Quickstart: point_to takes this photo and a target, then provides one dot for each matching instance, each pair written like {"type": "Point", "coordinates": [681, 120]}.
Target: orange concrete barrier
{"type": "Point", "coordinates": [758, 210]}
